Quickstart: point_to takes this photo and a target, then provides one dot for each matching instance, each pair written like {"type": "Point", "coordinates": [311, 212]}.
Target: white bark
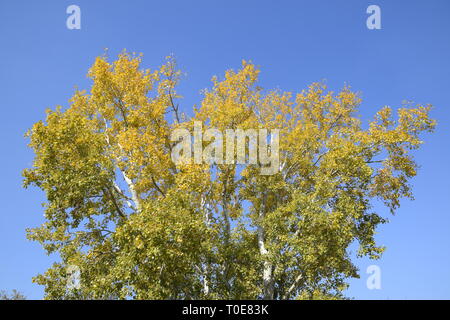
{"type": "Point", "coordinates": [293, 286]}
{"type": "Point", "coordinates": [268, 283]}
{"type": "Point", "coordinates": [132, 189]}
{"type": "Point", "coordinates": [205, 271]}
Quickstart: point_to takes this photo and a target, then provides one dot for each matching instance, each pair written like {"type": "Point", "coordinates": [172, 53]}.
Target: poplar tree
{"type": "Point", "coordinates": [138, 226]}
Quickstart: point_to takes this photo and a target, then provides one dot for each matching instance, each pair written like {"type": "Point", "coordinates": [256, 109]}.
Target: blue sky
{"type": "Point", "coordinates": [294, 42]}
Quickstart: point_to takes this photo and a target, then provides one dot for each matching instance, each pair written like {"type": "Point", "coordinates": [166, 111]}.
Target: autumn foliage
{"type": "Point", "coordinates": [138, 226]}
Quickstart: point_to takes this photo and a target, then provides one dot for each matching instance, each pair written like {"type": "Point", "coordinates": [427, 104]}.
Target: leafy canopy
{"type": "Point", "coordinates": [136, 225]}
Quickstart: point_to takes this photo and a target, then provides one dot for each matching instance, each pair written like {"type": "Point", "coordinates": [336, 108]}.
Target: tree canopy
{"type": "Point", "coordinates": [139, 226]}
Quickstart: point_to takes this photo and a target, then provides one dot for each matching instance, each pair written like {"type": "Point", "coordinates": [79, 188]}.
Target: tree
{"type": "Point", "coordinates": [14, 295]}
{"type": "Point", "coordinates": [137, 225]}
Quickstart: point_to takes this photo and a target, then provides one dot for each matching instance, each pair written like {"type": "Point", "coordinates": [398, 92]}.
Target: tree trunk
{"type": "Point", "coordinates": [268, 283]}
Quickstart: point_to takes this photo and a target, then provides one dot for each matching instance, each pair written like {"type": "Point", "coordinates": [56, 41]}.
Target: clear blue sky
{"type": "Point", "coordinates": [294, 42]}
